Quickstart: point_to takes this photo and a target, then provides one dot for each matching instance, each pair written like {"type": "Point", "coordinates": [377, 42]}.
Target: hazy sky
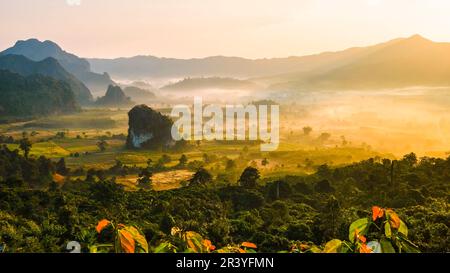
{"type": "Point", "coordinates": [198, 28]}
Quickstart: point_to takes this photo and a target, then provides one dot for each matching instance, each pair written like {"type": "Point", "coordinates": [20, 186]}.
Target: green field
{"type": "Point", "coordinates": [297, 154]}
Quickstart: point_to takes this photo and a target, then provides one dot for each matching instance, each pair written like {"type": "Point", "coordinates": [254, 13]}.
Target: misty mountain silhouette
{"type": "Point", "coordinates": [114, 97]}
{"type": "Point", "coordinates": [36, 50]}
{"type": "Point", "coordinates": [397, 63]}
{"type": "Point", "coordinates": [48, 67]}
{"type": "Point", "coordinates": [413, 61]}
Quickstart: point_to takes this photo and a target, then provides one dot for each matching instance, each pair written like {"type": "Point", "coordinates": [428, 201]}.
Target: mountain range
{"type": "Point", "coordinates": [401, 62]}
{"type": "Point", "coordinates": [36, 50]}
{"type": "Point", "coordinates": [192, 84]}
{"type": "Point", "coordinates": [48, 67]}
{"type": "Point", "coordinates": [138, 94]}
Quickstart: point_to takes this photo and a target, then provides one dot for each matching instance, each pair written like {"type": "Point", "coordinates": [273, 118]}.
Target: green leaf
{"type": "Point", "coordinates": [407, 245]}
{"type": "Point", "coordinates": [387, 230]}
{"type": "Point", "coordinates": [102, 248]}
{"type": "Point", "coordinates": [386, 246]}
{"type": "Point", "coordinates": [93, 249]}
{"type": "Point", "coordinates": [315, 249]}
{"type": "Point", "coordinates": [360, 225]}
{"type": "Point", "coordinates": [333, 246]}
{"type": "Point", "coordinates": [403, 229]}
{"type": "Point", "coordinates": [163, 248]}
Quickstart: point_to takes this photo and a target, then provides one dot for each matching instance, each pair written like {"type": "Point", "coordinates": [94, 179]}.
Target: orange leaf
{"type": "Point", "coordinates": [365, 249]}
{"type": "Point", "coordinates": [101, 225]}
{"type": "Point", "coordinates": [138, 238]}
{"type": "Point", "coordinates": [304, 247]}
{"type": "Point", "coordinates": [248, 245]}
{"type": "Point", "coordinates": [58, 178]}
{"type": "Point", "coordinates": [359, 237]}
{"type": "Point", "coordinates": [126, 241]}
{"type": "Point", "coordinates": [241, 250]}
{"type": "Point", "coordinates": [208, 245]}
{"type": "Point", "coordinates": [192, 246]}
{"type": "Point", "coordinates": [377, 212]}
{"type": "Point", "coordinates": [362, 238]}
{"type": "Point", "coordinates": [394, 220]}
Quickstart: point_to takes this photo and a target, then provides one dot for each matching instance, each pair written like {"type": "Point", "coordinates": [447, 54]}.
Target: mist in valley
{"type": "Point", "coordinates": [391, 121]}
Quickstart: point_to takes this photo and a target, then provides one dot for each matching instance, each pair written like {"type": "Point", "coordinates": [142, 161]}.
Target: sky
{"type": "Point", "coordinates": [200, 28]}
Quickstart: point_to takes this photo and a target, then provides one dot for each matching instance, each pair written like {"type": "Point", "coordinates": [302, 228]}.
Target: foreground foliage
{"type": "Point", "coordinates": [329, 211]}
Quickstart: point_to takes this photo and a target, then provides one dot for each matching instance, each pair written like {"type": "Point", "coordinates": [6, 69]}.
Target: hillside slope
{"type": "Point", "coordinates": [37, 51]}
{"type": "Point", "coordinates": [48, 67]}
{"type": "Point", "coordinates": [34, 95]}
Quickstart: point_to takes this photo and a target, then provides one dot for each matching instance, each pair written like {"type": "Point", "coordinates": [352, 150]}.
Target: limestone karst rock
{"type": "Point", "coordinates": [148, 129]}
{"type": "Point", "coordinates": [114, 97]}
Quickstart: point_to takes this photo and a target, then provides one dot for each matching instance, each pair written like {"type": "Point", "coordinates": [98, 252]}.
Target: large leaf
{"type": "Point", "coordinates": [403, 229]}
{"type": "Point", "coordinates": [139, 238]}
{"type": "Point", "coordinates": [387, 230]}
{"type": "Point", "coordinates": [315, 249]}
{"type": "Point", "coordinates": [333, 246]}
{"type": "Point", "coordinates": [102, 224]}
{"type": "Point", "coordinates": [165, 247]}
{"type": "Point", "coordinates": [248, 245]}
{"type": "Point", "coordinates": [394, 220]}
{"type": "Point", "coordinates": [359, 226]}
{"type": "Point", "coordinates": [127, 243]}
{"type": "Point", "coordinates": [386, 246]}
{"type": "Point", "coordinates": [377, 212]}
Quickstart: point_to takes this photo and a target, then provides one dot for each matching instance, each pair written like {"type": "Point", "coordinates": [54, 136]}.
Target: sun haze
{"type": "Point", "coordinates": [199, 28]}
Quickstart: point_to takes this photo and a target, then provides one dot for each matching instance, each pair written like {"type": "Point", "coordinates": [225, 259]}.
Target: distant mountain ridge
{"type": "Point", "coordinates": [414, 61]}
{"type": "Point", "coordinates": [114, 97]}
{"type": "Point", "coordinates": [49, 67]}
{"type": "Point", "coordinates": [36, 50]}
{"type": "Point", "coordinates": [211, 83]}
{"type": "Point", "coordinates": [401, 62]}
{"type": "Point", "coordinates": [138, 94]}
{"type": "Point", "coordinates": [139, 67]}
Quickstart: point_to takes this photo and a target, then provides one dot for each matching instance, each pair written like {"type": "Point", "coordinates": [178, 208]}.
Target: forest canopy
{"type": "Point", "coordinates": [34, 95]}
{"type": "Point", "coordinates": [38, 213]}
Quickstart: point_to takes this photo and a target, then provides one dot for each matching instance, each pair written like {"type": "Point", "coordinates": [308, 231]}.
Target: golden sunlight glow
{"type": "Point", "coordinates": [198, 28]}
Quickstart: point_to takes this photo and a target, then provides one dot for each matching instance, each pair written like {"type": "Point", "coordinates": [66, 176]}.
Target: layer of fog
{"type": "Point", "coordinates": [392, 121]}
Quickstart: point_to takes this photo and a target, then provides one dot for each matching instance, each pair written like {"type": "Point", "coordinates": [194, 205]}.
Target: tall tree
{"type": "Point", "coordinates": [249, 177]}
{"type": "Point", "coordinates": [61, 167]}
{"type": "Point", "coordinates": [201, 177]}
{"type": "Point", "coordinates": [307, 130]}
{"type": "Point", "coordinates": [25, 146]}
{"type": "Point", "coordinates": [102, 144]}
{"type": "Point", "coordinates": [145, 179]}
{"type": "Point", "coordinates": [183, 161]}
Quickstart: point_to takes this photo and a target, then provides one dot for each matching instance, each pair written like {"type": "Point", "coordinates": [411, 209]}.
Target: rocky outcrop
{"type": "Point", "coordinates": [148, 129]}
{"type": "Point", "coordinates": [114, 97]}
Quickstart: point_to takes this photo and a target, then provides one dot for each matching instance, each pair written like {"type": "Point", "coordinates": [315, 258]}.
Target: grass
{"type": "Point", "coordinates": [160, 181]}
{"type": "Point", "coordinates": [83, 130]}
